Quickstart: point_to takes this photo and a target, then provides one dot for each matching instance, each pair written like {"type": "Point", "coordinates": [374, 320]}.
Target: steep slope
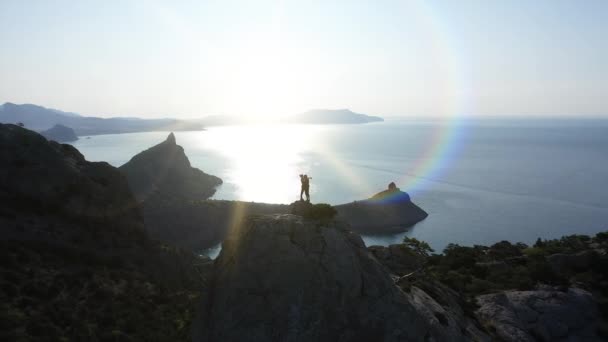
{"type": "Point", "coordinates": [77, 264]}
{"type": "Point", "coordinates": [282, 278]}
{"type": "Point", "coordinates": [164, 172]}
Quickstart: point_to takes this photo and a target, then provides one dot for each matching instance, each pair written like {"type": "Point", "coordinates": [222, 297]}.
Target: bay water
{"type": "Point", "coordinates": [481, 181]}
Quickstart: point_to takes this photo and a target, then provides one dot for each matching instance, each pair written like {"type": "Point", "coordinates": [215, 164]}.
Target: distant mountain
{"type": "Point", "coordinates": [39, 118]}
{"type": "Point", "coordinates": [316, 116]}
{"type": "Point", "coordinates": [60, 133]}
{"type": "Point", "coordinates": [330, 116]}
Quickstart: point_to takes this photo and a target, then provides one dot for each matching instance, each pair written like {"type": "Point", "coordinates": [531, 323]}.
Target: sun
{"type": "Point", "coordinates": [265, 160]}
{"type": "Point", "coordinates": [268, 78]}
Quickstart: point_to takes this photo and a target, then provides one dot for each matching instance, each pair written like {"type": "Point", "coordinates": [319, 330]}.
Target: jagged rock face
{"type": "Point", "coordinates": [442, 308]}
{"type": "Point", "coordinates": [60, 133]}
{"type": "Point", "coordinates": [52, 177]}
{"type": "Point", "coordinates": [164, 171]}
{"type": "Point", "coordinates": [542, 315]}
{"type": "Point", "coordinates": [282, 278]}
{"type": "Point", "coordinates": [399, 259]}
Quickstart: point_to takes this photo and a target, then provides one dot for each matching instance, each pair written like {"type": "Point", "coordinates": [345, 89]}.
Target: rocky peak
{"type": "Point", "coordinates": [171, 139]}
{"type": "Point", "coordinates": [164, 171]}
{"type": "Point", "coordinates": [284, 278]}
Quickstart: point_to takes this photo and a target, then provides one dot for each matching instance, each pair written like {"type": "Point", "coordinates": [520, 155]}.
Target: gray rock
{"type": "Point", "coordinates": [545, 315]}
{"type": "Point", "coordinates": [398, 258]}
{"type": "Point", "coordinates": [567, 263]}
{"type": "Point", "coordinates": [282, 278]}
{"type": "Point", "coordinates": [440, 306]}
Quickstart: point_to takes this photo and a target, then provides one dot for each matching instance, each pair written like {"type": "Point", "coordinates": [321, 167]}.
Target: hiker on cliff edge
{"type": "Point", "coordinates": [305, 180]}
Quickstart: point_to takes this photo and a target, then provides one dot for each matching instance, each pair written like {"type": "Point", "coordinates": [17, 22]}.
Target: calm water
{"type": "Point", "coordinates": [492, 180]}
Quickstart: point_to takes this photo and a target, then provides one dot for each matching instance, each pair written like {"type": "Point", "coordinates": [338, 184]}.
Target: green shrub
{"type": "Point", "coordinates": [534, 252]}
{"type": "Point", "coordinates": [503, 250]}
{"type": "Point", "coordinates": [419, 247]}
{"type": "Point", "coordinates": [601, 237]}
{"type": "Point", "coordinates": [320, 211]}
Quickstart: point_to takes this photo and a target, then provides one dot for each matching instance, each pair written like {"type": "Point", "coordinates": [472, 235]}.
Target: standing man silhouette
{"type": "Point", "coordinates": [305, 189]}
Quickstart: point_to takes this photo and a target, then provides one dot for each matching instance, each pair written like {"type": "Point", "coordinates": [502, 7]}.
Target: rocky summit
{"type": "Point", "coordinates": [284, 278]}
{"type": "Point", "coordinates": [163, 171]}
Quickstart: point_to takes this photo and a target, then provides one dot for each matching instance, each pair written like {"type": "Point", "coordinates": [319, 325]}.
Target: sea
{"type": "Point", "coordinates": [481, 181]}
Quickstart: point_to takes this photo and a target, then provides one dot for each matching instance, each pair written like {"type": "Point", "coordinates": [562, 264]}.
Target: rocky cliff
{"type": "Point", "coordinates": [77, 264]}
{"type": "Point", "coordinates": [283, 278]}
{"type": "Point", "coordinates": [164, 172]}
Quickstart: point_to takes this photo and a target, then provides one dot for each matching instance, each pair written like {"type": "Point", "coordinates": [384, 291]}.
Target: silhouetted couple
{"type": "Point", "coordinates": [305, 180]}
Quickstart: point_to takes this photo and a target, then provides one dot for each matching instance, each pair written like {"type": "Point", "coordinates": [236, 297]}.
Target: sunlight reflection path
{"type": "Point", "coordinates": [265, 160]}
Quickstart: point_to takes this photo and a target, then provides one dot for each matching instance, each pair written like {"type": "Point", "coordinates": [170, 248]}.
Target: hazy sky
{"type": "Point", "coordinates": [193, 58]}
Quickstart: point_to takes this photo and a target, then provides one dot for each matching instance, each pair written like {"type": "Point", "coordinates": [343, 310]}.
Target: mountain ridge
{"type": "Point", "coordinates": [39, 118]}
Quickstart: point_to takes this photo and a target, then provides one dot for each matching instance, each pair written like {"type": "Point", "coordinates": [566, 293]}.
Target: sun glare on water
{"type": "Point", "coordinates": [265, 160]}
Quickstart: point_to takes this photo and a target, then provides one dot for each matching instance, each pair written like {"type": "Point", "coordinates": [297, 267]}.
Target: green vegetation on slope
{"type": "Point", "coordinates": [572, 261]}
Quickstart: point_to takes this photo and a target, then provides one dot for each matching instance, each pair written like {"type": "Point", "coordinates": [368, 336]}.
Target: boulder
{"type": "Point", "coordinates": [567, 263]}
{"type": "Point", "coordinates": [542, 315]}
{"type": "Point", "coordinates": [443, 309]}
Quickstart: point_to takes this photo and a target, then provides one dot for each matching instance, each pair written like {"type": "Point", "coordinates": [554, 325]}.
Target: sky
{"type": "Point", "coordinates": [269, 58]}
